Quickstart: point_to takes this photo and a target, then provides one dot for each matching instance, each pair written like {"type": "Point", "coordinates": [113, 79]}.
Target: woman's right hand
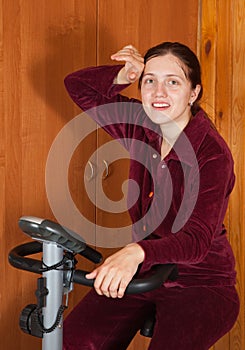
{"type": "Point", "coordinates": [134, 64]}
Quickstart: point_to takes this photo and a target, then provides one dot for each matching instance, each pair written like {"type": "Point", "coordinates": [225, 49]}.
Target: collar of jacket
{"type": "Point", "coordinates": [189, 141]}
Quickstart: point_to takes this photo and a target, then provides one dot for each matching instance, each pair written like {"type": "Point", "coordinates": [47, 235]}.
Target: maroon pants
{"type": "Point", "coordinates": [186, 318]}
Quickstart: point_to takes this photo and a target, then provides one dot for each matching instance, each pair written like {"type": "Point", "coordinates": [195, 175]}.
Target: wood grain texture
{"type": "Point", "coordinates": [40, 43]}
{"type": "Point", "coordinates": [222, 25]}
{"type": "Point", "coordinates": [237, 221]}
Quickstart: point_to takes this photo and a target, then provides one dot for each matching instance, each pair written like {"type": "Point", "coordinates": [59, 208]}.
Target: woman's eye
{"type": "Point", "coordinates": [149, 81]}
{"type": "Point", "coordinates": [173, 82]}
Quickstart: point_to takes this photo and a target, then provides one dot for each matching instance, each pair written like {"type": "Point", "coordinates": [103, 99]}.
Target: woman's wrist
{"type": "Point", "coordinates": [121, 78]}
{"type": "Point", "coordinates": [137, 251]}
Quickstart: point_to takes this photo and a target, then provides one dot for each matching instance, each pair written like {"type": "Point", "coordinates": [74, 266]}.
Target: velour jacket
{"type": "Point", "coordinates": [178, 207]}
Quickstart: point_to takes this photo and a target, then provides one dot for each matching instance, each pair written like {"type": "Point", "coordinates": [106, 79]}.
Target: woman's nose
{"type": "Point", "coordinates": [161, 90]}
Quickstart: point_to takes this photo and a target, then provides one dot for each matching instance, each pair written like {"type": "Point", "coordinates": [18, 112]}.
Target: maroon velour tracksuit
{"type": "Point", "coordinates": [177, 218]}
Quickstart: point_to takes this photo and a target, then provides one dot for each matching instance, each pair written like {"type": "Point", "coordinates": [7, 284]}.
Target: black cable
{"type": "Point", "coordinates": [67, 257]}
{"type": "Point", "coordinates": [56, 323]}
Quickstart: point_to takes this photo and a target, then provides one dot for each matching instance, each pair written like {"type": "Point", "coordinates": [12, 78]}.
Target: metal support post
{"type": "Point", "coordinates": [52, 254]}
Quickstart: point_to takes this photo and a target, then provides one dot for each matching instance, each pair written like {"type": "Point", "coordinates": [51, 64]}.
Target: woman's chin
{"type": "Point", "coordinates": [159, 116]}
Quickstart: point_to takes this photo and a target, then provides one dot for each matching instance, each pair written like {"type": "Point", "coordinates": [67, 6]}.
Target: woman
{"type": "Point", "coordinates": [185, 176]}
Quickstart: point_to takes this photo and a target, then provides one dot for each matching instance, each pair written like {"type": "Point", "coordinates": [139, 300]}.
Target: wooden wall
{"type": "Point", "coordinates": [222, 54]}
{"type": "Point", "coordinates": [41, 42]}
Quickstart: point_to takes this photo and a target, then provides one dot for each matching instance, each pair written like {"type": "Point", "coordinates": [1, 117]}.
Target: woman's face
{"type": "Point", "coordinates": [166, 92]}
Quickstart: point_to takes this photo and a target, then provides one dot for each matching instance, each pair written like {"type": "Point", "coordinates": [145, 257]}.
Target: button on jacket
{"type": "Point", "coordinates": [178, 208]}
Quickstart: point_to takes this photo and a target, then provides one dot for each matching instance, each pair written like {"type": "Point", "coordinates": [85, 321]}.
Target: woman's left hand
{"type": "Point", "coordinates": [114, 275]}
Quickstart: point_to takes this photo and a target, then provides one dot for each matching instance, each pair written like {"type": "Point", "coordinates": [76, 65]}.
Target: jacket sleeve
{"type": "Point", "coordinates": [94, 86]}
{"type": "Point", "coordinates": [93, 90]}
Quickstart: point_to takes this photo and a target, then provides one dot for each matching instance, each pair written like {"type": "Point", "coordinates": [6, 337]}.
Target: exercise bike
{"type": "Point", "coordinates": [59, 247]}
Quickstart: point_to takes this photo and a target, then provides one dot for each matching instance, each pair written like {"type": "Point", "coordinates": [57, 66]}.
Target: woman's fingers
{"type": "Point", "coordinates": [110, 281]}
{"type": "Point", "coordinates": [114, 275]}
{"type": "Point", "coordinates": [92, 274]}
{"type": "Point", "coordinates": [127, 50]}
{"type": "Point", "coordinates": [111, 286]}
{"type": "Point", "coordinates": [122, 286]}
{"type": "Point", "coordinates": [128, 56]}
{"type": "Point", "coordinates": [114, 286]}
{"type": "Point", "coordinates": [107, 282]}
{"type": "Point", "coordinates": [134, 64]}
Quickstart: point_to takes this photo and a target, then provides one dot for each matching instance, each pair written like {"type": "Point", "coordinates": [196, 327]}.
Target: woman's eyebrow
{"type": "Point", "coordinates": [166, 75]}
{"type": "Point", "coordinates": [151, 74]}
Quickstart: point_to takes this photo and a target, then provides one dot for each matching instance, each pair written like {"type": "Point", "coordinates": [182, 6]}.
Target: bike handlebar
{"type": "Point", "coordinates": [47, 231]}
{"type": "Point", "coordinates": [18, 258]}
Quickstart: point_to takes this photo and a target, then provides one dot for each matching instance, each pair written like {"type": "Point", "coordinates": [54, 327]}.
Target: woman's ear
{"type": "Point", "coordinates": [194, 94]}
